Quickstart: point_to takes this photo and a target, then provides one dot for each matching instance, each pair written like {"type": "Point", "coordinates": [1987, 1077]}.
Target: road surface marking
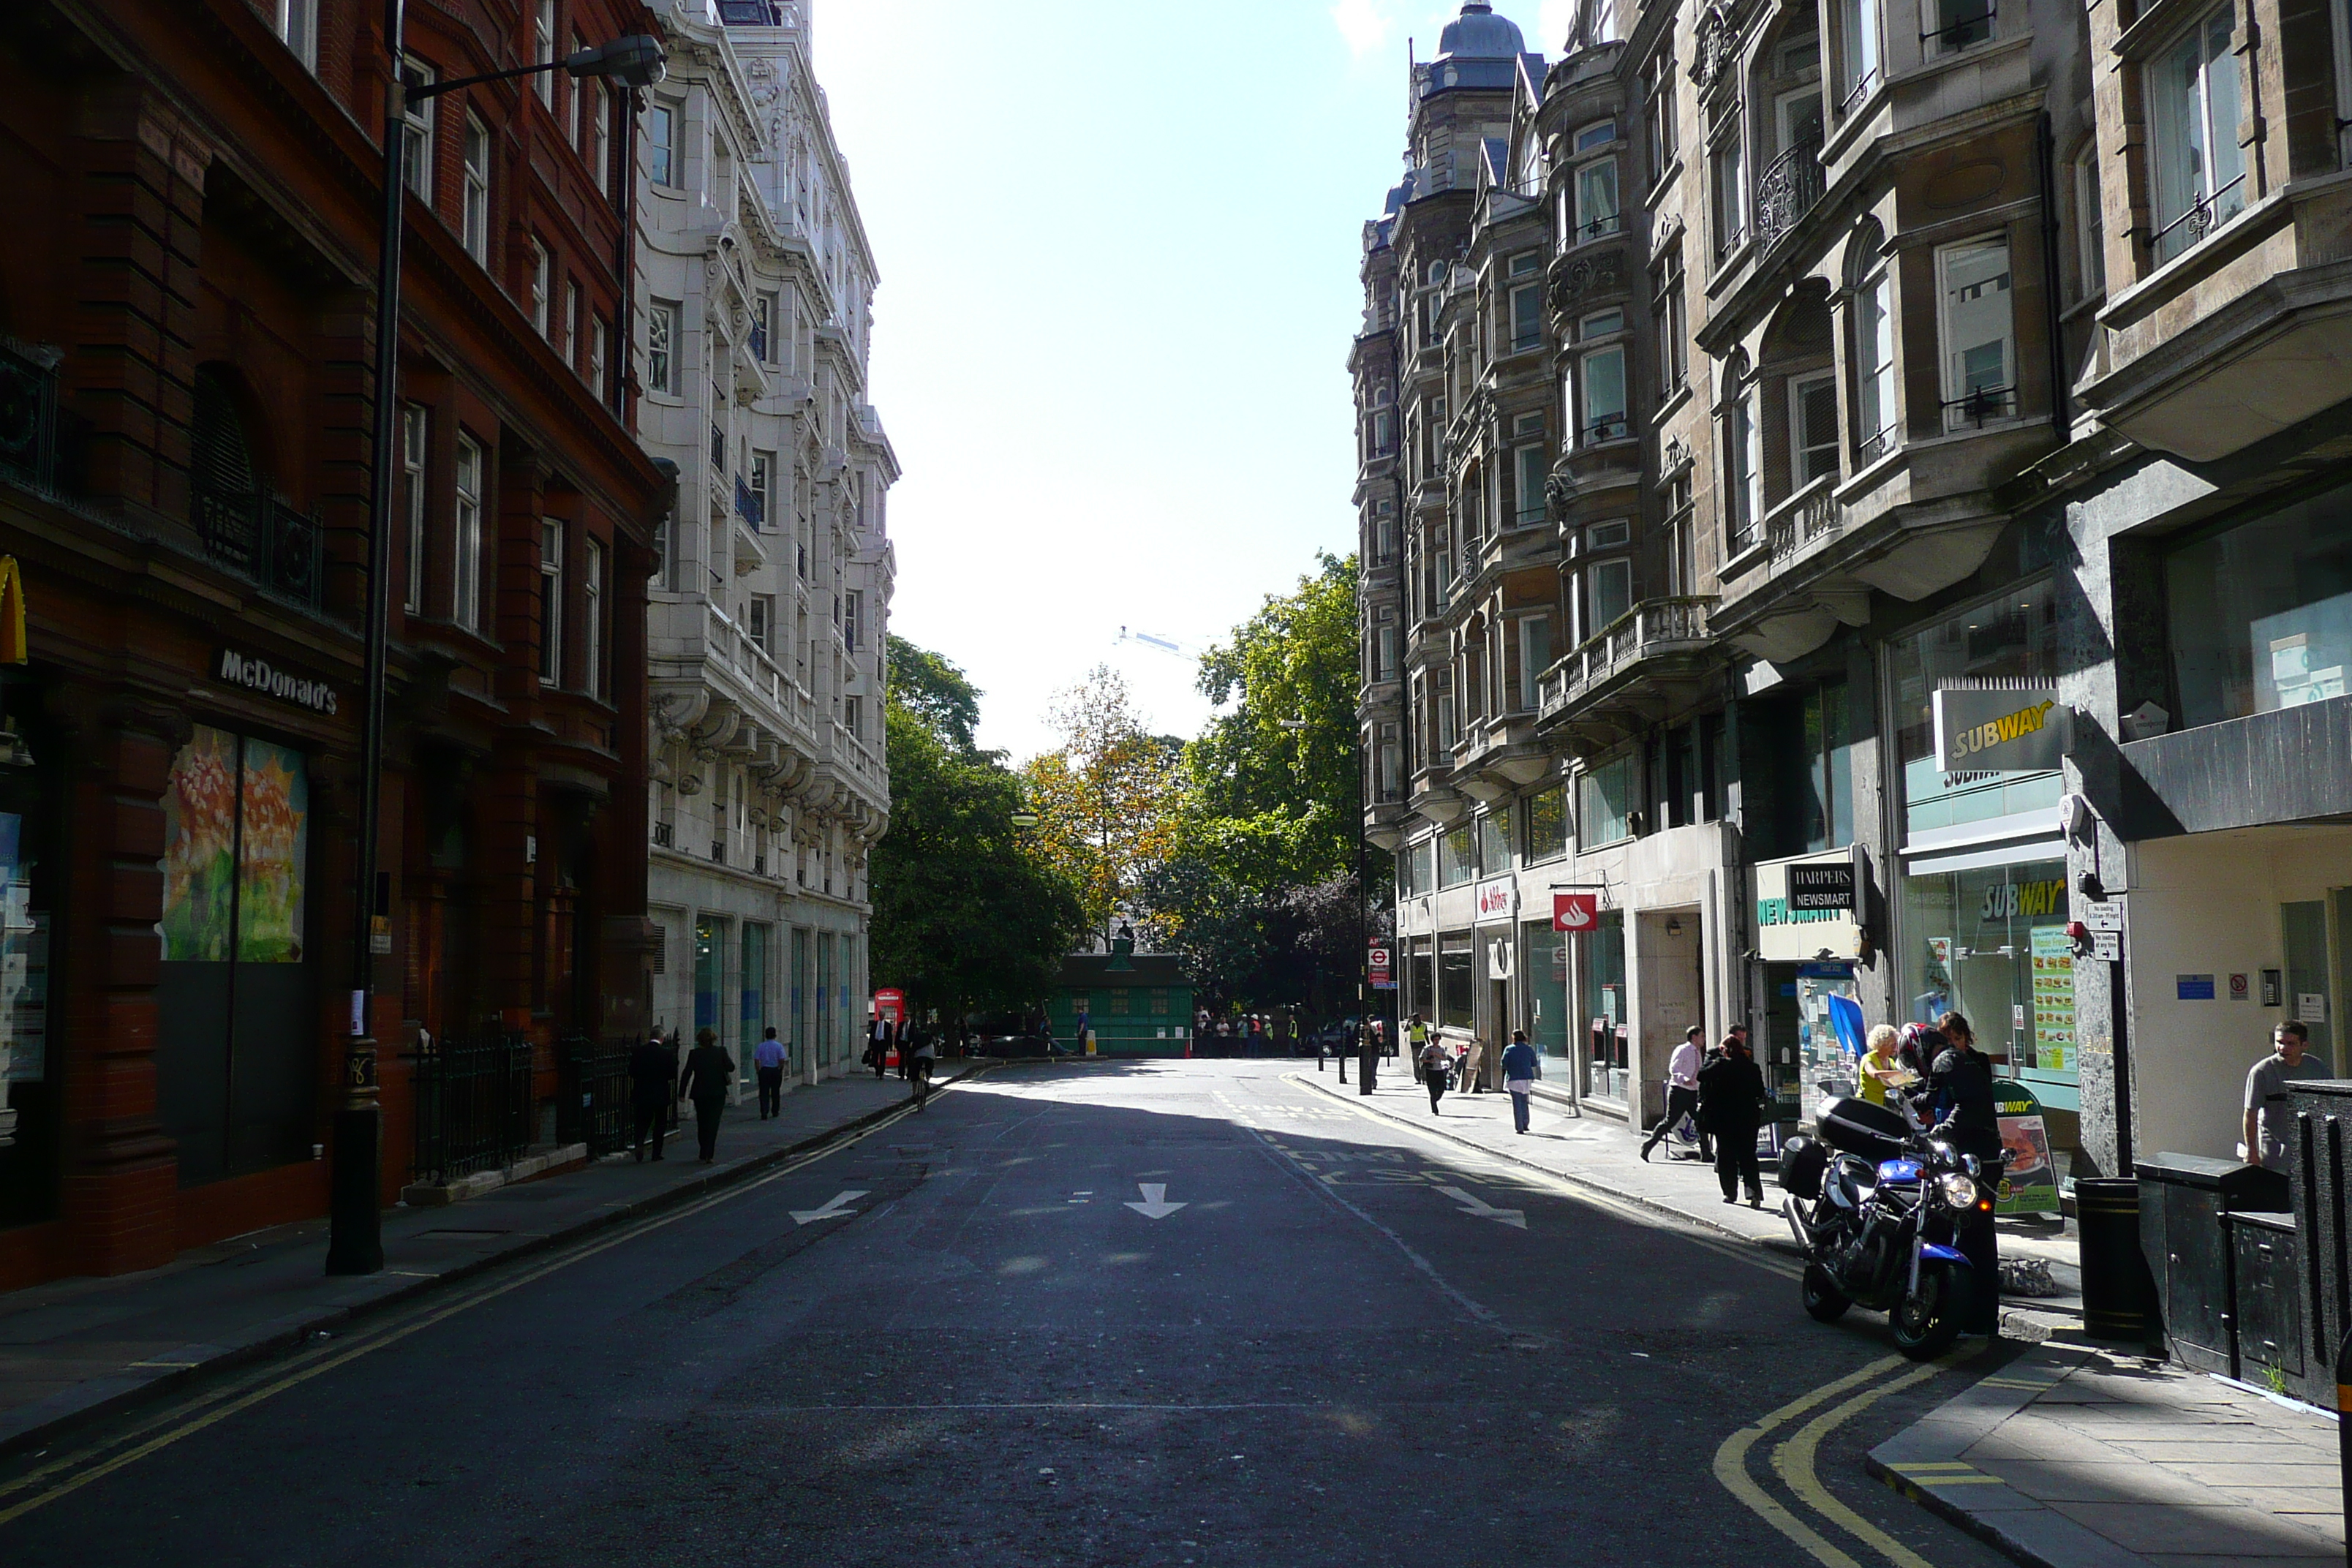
{"type": "Point", "coordinates": [835, 1207]}
{"type": "Point", "coordinates": [1155, 1204]}
{"type": "Point", "coordinates": [1515, 1218]}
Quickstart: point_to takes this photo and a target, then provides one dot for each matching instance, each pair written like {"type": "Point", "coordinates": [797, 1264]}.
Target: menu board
{"type": "Point", "coordinates": [2053, 999]}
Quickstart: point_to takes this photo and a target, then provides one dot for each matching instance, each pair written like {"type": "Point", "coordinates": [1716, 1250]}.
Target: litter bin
{"type": "Point", "coordinates": [2119, 1297]}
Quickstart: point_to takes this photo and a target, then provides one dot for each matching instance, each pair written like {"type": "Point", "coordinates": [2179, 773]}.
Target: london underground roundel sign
{"type": "Point", "coordinates": [1575, 911]}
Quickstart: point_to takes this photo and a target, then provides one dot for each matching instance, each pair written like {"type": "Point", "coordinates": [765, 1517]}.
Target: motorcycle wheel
{"type": "Point", "coordinates": [1824, 1302]}
{"type": "Point", "coordinates": [1925, 1324]}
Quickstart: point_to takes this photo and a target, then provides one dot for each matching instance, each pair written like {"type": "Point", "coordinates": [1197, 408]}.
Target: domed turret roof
{"type": "Point", "coordinates": [1478, 33]}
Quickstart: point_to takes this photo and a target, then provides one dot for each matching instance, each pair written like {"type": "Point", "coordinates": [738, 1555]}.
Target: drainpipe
{"type": "Point", "coordinates": [2045, 148]}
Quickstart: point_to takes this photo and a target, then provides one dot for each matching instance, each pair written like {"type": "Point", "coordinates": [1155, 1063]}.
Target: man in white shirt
{"type": "Point", "coordinates": [1682, 1086]}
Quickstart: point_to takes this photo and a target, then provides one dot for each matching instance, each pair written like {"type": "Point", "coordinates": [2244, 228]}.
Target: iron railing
{"type": "Point", "coordinates": [1787, 191]}
{"type": "Point", "coordinates": [593, 1106]}
{"type": "Point", "coordinates": [473, 1105]}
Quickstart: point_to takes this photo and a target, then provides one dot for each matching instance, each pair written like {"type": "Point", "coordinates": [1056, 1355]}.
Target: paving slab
{"type": "Point", "coordinates": [73, 1349]}
{"type": "Point", "coordinates": [2040, 1459]}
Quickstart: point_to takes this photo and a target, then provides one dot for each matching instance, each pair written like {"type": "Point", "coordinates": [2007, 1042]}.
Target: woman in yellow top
{"type": "Point", "coordinates": [1877, 1060]}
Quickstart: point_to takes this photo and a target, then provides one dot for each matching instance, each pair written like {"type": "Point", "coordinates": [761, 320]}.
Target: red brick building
{"type": "Point", "coordinates": [186, 302]}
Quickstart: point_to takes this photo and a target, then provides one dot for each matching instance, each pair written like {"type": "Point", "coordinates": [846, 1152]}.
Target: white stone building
{"type": "Point", "coordinates": [768, 617]}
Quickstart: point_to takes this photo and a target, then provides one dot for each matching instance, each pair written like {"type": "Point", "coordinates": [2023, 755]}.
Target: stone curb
{"type": "Point", "coordinates": [45, 1420]}
{"type": "Point", "coordinates": [1923, 1463]}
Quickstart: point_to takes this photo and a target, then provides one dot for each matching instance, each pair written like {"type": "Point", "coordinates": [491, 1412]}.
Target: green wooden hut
{"type": "Point", "coordinates": [1138, 1004]}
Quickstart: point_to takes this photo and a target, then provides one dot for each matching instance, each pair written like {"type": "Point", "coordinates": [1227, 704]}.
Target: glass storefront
{"type": "Point", "coordinates": [1990, 944]}
{"type": "Point", "coordinates": [2261, 613]}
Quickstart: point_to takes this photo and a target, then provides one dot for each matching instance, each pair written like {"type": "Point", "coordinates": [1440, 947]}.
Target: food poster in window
{"type": "Point", "coordinates": [2052, 1007]}
{"type": "Point", "coordinates": [273, 839]}
{"type": "Point", "coordinates": [200, 849]}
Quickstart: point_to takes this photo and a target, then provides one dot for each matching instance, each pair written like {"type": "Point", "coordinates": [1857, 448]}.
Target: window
{"type": "Point", "coordinates": [1596, 199]}
{"type": "Point", "coordinates": [661, 145]}
{"type": "Point", "coordinates": [298, 25]}
{"type": "Point", "coordinates": [571, 323]}
{"type": "Point", "coordinates": [1873, 350]}
{"type": "Point", "coordinates": [539, 285]}
{"type": "Point", "coordinates": [466, 557]}
{"type": "Point", "coordinates": [1535, 655]}
{"type": "Point", "coordinates": [1532, 472]}
{"type": "Point", "coordinates": [550, 602]}
{"type": "Point", "coordinates": [1604, 797]}
{"type": "Point", "coordinates": [1812, 429]}
{"type": "Point", "coordinates": [1526, 317]}
{"type": "Point", "coordinates": [2090, 225]}
{"type": "Point", "coordinates": [1863, 67]}
{"type": "Point", "coordinates": [474, 218]}
{"type": "Point", "coordinates": [592, 608]}
{"type": "Point", "coordinates": [1612, 586]}
{"type": "Point", "coordinates": [1955, 25]}
{"type": "Point", "coordinates": [1604, 394]}
{"type": "Point", "coordinates": [853, 618]}
{"type": "Point", "coordinates": [1980, 345]}
{"type": "Point", "coordinates": [417, 146]}
{"type": "Point", "coordinates": [1658, 113]}
{"type": "Point", "coordinates": [600, 133]}
{"type": "Point", "coordinates": [1666, 310]}
{"type": "Point", "coordinates": [543, 50]}
{"type": "Point", "coordinates": [661, 351]}
{"type": "Point", "coordinates": [2199, 169]}
{"type": "Point", "coordinates": [412, 476]}
{"type": "Point", "coordinates": [1730, 196]}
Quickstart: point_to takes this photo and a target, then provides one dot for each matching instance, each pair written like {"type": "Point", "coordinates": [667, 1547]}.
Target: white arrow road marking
{"type": "Point", "coordinates": [1485, 1210]}
{"type": "Point", "coordinates": [835, 1208]}
{"type": "Point", "coordinates": [1155, 1204]}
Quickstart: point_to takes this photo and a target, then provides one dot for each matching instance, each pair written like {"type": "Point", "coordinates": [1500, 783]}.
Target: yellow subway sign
{"type": "Point", "coordinates": [2001, 731]}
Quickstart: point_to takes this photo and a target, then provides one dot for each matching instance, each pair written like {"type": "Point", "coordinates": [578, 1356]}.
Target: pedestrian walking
{"type": "Point", "coordinates": [2265, 1102]}
{"type": "Point", "coordinates": [1435, 1062]}
{"type": "Point", "coordinates": [1731, 1109]}
{"type": "Point", "coordinates": [708, 1072]}
{"type": "Point", "coordinates": [1521, 1068]}
{"type": "Point", "coordinates": [1682, 1086]}
{"type": "Point", "coordinates": [653, 1083]}
{"type": "Point", "coordinates": [768, 1057]}
{"type": "Point", "coordinates": [1960, 1090]}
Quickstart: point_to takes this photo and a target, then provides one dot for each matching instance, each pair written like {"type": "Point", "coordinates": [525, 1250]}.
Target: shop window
{"type": "Point", "coordinates": [234, 1064]}
{"type": "Point", "coordinates": [1604, 802]}
{"type": "Point", "coordinates": [1547, 820]}
{"type": "Point", "coordinates": [2261, 613]}
{"type": "Point", "coordinates": [2012, 638]}
{"type": "Point", "coordinates": [1453, 987]}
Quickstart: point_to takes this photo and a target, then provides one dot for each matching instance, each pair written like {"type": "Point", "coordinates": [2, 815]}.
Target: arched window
{"type": "Point", "coordinates": [1870, 288]}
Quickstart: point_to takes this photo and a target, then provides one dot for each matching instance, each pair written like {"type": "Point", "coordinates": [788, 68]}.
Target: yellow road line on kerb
{"type": "Point", "coordinates": [1731, 1465]}
{"type": "Point", "coordinates": [192, 1415]}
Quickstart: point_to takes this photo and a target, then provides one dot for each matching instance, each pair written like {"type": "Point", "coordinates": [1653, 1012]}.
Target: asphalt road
{"type": "Point", "coordinates": [1351, 1344]}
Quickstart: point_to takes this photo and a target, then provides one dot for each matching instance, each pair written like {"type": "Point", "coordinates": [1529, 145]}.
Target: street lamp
{"type": "Point", "coordinates": [355, 1224]}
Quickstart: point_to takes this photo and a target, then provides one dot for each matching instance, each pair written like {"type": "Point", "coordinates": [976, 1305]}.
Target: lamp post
{"type": "Point", "coordinates": [355, 1229]}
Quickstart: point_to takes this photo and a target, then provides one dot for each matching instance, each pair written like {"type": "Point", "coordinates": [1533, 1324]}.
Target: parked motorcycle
{"type": "Point", "coordinates": [1874, 1201]}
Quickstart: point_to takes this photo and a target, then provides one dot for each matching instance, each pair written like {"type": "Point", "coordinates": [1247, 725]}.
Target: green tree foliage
{"type": "Point", "coordinates": [1259, 894]}
{"type": "Point", "coordinates": [1107, 799]}
{"type": "Point", "coordinates": [968, 916]}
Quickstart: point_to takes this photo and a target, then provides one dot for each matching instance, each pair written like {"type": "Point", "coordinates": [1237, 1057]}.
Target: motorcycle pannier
{"type": "Point", "coordinates": [1855, 1126]}
{"type": "Point", "coordinates": [1802, 1161]}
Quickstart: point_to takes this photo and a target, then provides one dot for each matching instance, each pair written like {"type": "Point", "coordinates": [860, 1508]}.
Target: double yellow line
{"type": "Point", "coordinates": [47, 1483]}
{"type": "Point", "coordinates": [1794, 1462]}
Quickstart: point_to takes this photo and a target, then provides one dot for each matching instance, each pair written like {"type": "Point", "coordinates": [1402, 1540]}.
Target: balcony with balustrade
{"type": "Point", "coordinates": [1656, 658]}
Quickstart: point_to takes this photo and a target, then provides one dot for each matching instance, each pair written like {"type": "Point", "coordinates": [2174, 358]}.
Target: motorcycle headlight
{"type": "Point", "coordinates": [1957, 1190]}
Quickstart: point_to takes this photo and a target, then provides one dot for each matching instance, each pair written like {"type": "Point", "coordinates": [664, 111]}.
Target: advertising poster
{"type": "Point", "coordinates": [2030, 1184]}
{"type": "Point", "coordinates": [2052, 1004]}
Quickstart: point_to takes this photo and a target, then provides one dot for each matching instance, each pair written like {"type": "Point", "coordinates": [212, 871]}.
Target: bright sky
{"type": "Point", "coordinates": [1118, 246]}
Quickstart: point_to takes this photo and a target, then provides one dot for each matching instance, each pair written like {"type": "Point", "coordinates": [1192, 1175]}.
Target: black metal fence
{"type": "Point", "coordinates": [473, 1106]}
{"type": "Point", "coordinates": [592, 1105]}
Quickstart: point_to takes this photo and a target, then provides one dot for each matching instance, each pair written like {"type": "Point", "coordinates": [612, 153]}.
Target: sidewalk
{"type": "Point", "coordinates": [1600, 1152]}
{"type": "Point", "coordinates": [2073, 1458]}
{"type": "Point", "coordinates": [71, 1349]}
